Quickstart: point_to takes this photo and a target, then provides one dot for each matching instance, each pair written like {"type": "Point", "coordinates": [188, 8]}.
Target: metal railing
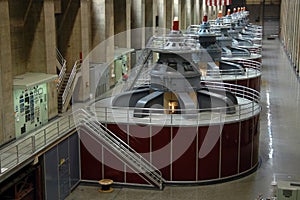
{"type": "Point", "coordinates": [63, 69]}
{"type": "Point", "coordinates": [252, 69]}
{"type": "Point", "coordinates": [68, 89]}
{"type": "Point", "coordinates": [24, 148]}
{"type": "Point", "coordinates": [162, 42]}
{"type": "Point", "coordinates": [255, 49]}
{"type": "Point", "coordinates": [248, 106]}
{"type": "Point", "coordinates": [128, 154]}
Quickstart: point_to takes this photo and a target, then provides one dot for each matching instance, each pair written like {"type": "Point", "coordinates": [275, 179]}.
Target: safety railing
{"type": "Point", "coordinates": [128, 154]}
{"type": "Point", "coordinates": [68, 89]}
{"type": "Point", "coordinates": [255, 49]}
{"type": "Point", "coordinates": [162, 42]}
{"type": "Point", "coordinates": [63, 64]}
{"type": "Point", "coordinates": [24, 148]}
{"type": "Point", "coordinates": [248, 106]}
{"type": "Point", "coordinates": [252, 69]}
{"type": "Point", "coordinates": [230, 57]}
{"type": "Point", "coordinates": [252, 33]}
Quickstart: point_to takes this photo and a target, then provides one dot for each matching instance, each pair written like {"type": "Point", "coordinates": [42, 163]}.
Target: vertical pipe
{"type": "Point", "coordinates": [171, 154]}
{"type": "Point", "coordinates": [220, 146]}
{"type": "Point", "coordinates": [150, 132]}
{"type": "Point", "coordinates": [252, 141]}
{"type": "Point", "coordinates": [239, 148]}
{"type": "Point", "coordinates": [197, 151]}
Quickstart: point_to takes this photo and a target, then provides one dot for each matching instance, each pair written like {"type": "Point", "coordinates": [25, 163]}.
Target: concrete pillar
{"type": "Point", "coordinates": [120, 23]}
{"type": "Point", "coordinates": [35, 38]}
{"type": "Point", "coordinates": [155, 13]}
{"type": "Point", "coordinates": [128, 23]}
{"type": "Point", "coordinates": [83, 84]}
{"type": "Point", "coordinates": [109, 33]}
{"type": "Point", "coordinates": [7, 128]}
{"type": "Point", "coordinates": [188, 8]}
{"type": "Point", "coordinates": [85, 27]}
{"type": "Point", "coordinates": [138, 22]}
{"type": "Point", "coordinates": [69, 32]}
{"type": "Point", "coordinates": [150, 17]}
{"type": "Point", "coordinates": [204, 7]}
{"type": "Point", "coordinates": [50, 54]}
{"type": "Point", "coordinates": [162, 13]}
{"type": "Point", "coordinates": [19, 51]}
{"type": "Point", "coordinates": [176, 9]}
{"type": "Point", "coordinates": [192, 9]}
{"type": "Point", "coordinates": [50, 36]}
{"type": "Point", "coordinates": [102, 34]}
{"type": "Point", "coordinates": [97, 22]}
{"type": "Point", "coordinates": [197, 10]}
{"type": "Point", "coordinates": [182, 14]}
{"type": "Point", "coordinates": [102, 29]}
{"type": "Point", "coordinates": [169, 13]}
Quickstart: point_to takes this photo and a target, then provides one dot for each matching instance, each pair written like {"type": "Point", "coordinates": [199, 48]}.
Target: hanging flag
{"type": "Point", "coordinates": [218, 2]}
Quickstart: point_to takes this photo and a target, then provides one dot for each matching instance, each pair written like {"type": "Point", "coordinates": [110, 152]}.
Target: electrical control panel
{"type": "Point", "coordinates": [30, 108]}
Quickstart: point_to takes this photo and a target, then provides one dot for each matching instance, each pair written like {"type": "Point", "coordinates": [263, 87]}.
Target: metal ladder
{"type": "Point", "coordinates": [133, 159]}
{"type": "Point", "coordinates": [136, 71]}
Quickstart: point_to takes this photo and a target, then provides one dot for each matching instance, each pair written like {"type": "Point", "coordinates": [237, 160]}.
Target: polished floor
{"type": "Point", "coordinates": [279, 143]}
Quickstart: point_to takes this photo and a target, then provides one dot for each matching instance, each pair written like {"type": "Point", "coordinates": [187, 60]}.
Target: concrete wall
{"type": "Point", "coordinates": [28, 44]}
{"type": "Point", "coordinates": [68, 31]}
{"type": "Point", "coordinates": [290, 31]}
{"type": "Point", "coordinates": [7, 131]}
{"type": "Point", "coordinates": [33, 42]}
{"type": "Point", "coordinates": [18, 10]}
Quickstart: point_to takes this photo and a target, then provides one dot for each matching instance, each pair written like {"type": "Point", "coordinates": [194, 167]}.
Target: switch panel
{"type": "Point", "coordinates": [30, 108]}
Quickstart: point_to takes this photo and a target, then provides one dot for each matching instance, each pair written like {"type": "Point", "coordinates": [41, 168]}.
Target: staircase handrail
{"type": "Point", "coordinates": [60, 57]}
{"type": "Point", "coordinates": [63, 69]}
{"type": "Point", "coordinates": [150, 171]}
{"type": "Point", "coordinates": [73, 73]}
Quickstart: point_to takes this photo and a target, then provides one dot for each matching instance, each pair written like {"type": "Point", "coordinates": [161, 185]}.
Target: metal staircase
{"type": "Point", "coordinates": [137, 70]}
{"type": "Point", "coordinates": [68, 83]}
{"type": "Point", "coordinates": [127, 154]}
{"type": "Point", "coordinates": [61, 64]}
